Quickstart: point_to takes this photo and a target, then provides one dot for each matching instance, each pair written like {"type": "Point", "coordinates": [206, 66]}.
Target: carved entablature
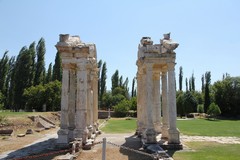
{"type": "Point", "coordinates": [73, 46]}
{"type": "Point", "coordinates": [166, 48]}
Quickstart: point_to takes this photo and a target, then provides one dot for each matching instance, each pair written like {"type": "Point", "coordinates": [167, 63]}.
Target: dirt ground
{"type": "Point", "coordinates": [44, 142]}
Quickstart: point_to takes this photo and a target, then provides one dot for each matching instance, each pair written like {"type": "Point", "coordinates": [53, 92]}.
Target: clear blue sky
{"type": "Point", "coordinates": [208, 31]}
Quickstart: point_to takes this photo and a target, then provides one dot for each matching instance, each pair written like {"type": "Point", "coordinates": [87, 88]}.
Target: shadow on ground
{"type": "Point", "coordinates": [134, 143]}
{"type": "Point", "coordinates": [40, 150]}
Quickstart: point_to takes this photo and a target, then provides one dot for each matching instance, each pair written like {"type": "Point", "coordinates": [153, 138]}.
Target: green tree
{"type": "Point", "coordinates": [180, 78]}
{"type": "Point", "coordinates": [57, 68]}
{"type": "Point", "coordinates": [115, 80]}
{"type": "Point", "coordinates": [35, 97]}
{"type": "Point", "coordinates": [40, 65]}
{"type": "Point", "coordinates": [103, 87]}
{"type": "Point", "coordinates": [22, 77]}
{"type": "Point", "coordinates": [200, 108]}
{"type": "Point", "coordinates": [1, 101]}
{"type": "Point", "coordinates": [49, 74]}
{"type": "Point", "coordinates": [213, 110]}
{"type": "Point", "coordinates": [121, 81]}
{"type": "Point", "coordinates": [193, 82]}
{"type": "Point", "coordinates": [227, 95]}
{"type": "Point", "coordinates": [52, 95]}
{"type": "Point", "coordinates": [133, 88]}
{"type": "Point", "coordinates": [180, 103]}
{"type": "Point", "coordinates": [189, 102]}
{"type": "Point", "coordinates": [10, 84]}
{"type": "Point", "coordinates": [203, 84]}
{"type": "Point", "coordinates": [125, 86]}
{"type": "Point", "coordinates": [186, 81]}
{"type": "Point", "coordinates": [122, 108]}
{"type": "Point", "coordinates": [48, 94]}
{"type": "Point", "coordinates": [133, 103]}
{"type": "Point", "coordinates": [32, 52]}
{"type": "Point", "coordinates": [207, 90]}
{"type": "Point", "coordinates": [3, 71]}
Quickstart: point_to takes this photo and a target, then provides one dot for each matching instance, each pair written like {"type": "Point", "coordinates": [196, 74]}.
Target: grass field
{"type": "Point", "coordinates": [204, 127]}
{"type": "Point", "coordinates": [120, 126]}
{"type": "Point", "coordinates": [200, 127]}
{"type": "Point", "coordinates": [209, 151]}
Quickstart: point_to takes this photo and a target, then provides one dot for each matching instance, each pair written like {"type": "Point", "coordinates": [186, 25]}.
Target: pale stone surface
{"type": "Point", "coordinates": [156, 64]}
{"type": "Point", "coordinates": [79, 101]}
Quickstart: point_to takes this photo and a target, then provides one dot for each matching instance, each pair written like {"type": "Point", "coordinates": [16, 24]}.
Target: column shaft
{"type": "Point", "coordinates": [165, 106]}
{"type": "Point", "coordinates": [173, 132]}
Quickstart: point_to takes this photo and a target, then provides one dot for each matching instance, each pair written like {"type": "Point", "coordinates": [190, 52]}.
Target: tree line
{"type": "Point", "coordinates": [25, 84]}
{"type": "Point", "coordinates": [221, 97]}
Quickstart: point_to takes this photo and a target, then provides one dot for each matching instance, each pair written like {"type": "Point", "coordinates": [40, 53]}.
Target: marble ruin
{"type": "Point", "coordinates": [156, 80]}
{"type": "Point", "coordinates": [79, 99]}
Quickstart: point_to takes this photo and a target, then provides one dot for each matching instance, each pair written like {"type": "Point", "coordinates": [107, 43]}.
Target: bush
{"type": "Point", "coordinates": [200, 108]}
{"type": "Point", "coordinates": [122, 108]}
{"type": "Point", "coordinates": [213, 110]}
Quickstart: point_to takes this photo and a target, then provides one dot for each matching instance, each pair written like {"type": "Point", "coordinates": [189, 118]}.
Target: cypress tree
{"type": "Point", "coordinates": [133, 87]}
{"type": "Point", "coordinates": [32, 52]}
{"type": "Point", "coordinates": [22, 78]}
{"type": "Point", "coordinates": [49, 74]}
{"type": "Point", "coordinates": [115, 80]}
{"type": "Point", "coordinates": [9, 83]}
{"type": "Point", "coordinates": [207, 94]}
{"type": "Point", "coordinates": [193, 82]}
{"type": "Point", "coordinates": [103, 82]}
{"type": "Point", "coordinates": [180, 77]}
{"type": "Point", "coordinates": [3, 72]}
{"type": "Point", "coordinates": [40, 65]}
{"type": "Point", "coordinates": [57, 68]}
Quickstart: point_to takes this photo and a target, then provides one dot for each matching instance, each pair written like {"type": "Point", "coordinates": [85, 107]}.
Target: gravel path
{"type": "Point", "coordinates": [223, 140]}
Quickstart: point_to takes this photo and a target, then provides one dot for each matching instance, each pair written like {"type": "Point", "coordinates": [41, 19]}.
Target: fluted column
{"type": "Point", "coordinates": [139, 103]}
{"type": "Point", "coordinates": [81, 130]}
{"type": "Point", "coordinates": [150, 132]}
{"type": "Point", "coordinates": [95, 101]}
{"type": "Point", "coordinates": [149, 97]}
{"type": "Point", "coordinates": [156, 102]}
{"type": "Point", "coordinates": [72, 102]}
{"type": "Point", "coordinates": [172, 131]}
{"type": "Point", "coordinates": [165, 111]}
{"type": "Point", "coordinates": [63, 132]}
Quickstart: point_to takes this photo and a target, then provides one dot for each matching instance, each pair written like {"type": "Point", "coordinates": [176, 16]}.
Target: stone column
{"type": "Point", "coordinates": [90, 103]}
{"type": "Point", "coordinates": [144, 101]}
{"type": "Point", "coordinates": [156, 102]}
{"type": "Point", "coordinates": [139, 104]}
{"type": "Point", "coordinates": [72, 102]}
{"type": "Point", "coordinates": [150, 132]}
{"type": "Point", "coordinates": [63, 132]}
{"type": "Point", "coordinates": [95, 101]}
{"type": "Point", "coordinates": [165, 125]}
{"type": "Point", "coordinates": [172, 131]}
{"type": "Point", "coordinates": [81, 130]}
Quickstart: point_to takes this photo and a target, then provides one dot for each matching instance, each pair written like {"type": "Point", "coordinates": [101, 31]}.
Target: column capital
{"type": "Point", "coordinates": [171, 66]}
{"type": "Point", "coordinates": [68, 66]}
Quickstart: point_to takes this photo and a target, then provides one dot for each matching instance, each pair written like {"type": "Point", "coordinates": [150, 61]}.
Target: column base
{"type": "Point", "coordinates": [150, 136]}
{"type": "Point", "coordinates": [81, 133]}
{"type": "Point", "coordinates": [165, 132]}
{"type": "Point", "coordinates": [157, 127]}
{"type": "Point", "coordinates": [71, 135]}
{"type": "Point", "coordinates": [63, 139]}
{"type": "Point", "coordinates": [174, 136]}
